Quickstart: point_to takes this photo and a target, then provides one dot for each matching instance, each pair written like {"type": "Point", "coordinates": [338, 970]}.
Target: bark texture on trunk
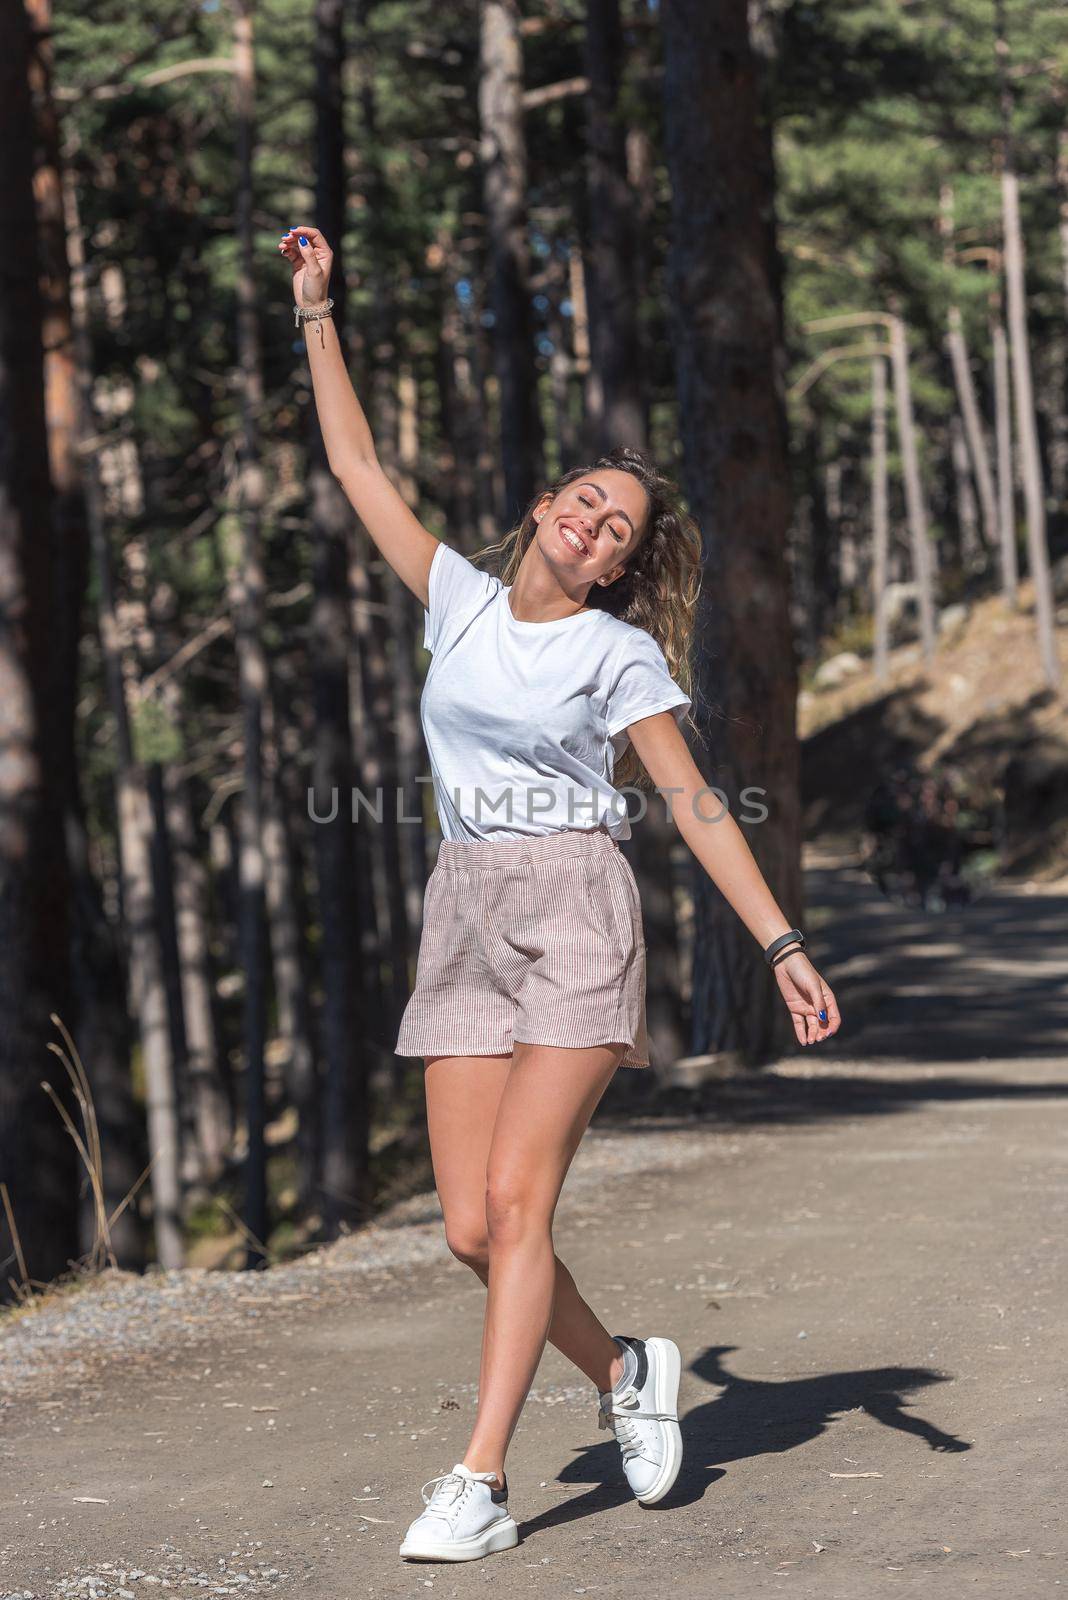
{"type": "Point", "coordinates": [207, 1090]}
{"type": "Point", "coordinates": [147, 995]}
{"type": "Point", "coordinates": [916, 506]}
{"type": "Point", "coordinates": [973, 428]}
{"type": "Point", "coordinates": [968, 540]}
{"type": "Point", "coordinates": [504, 176]}
{"type": "Point", "coordinates": [99, 1021]}
{"type": "Point", "coordinates": [1020, 356]}
{"type": "Point", "coordinates": [1010, 574]}
{"type": "Point", "coordinates": [341, 1139]}
{"type": "Point", "coordinates": [880, 524]}
{"type": "Point", "coordinates": [619, 416]}
{"type": "Point", "coordinates": [727, 340]}
{"type": "Point", "coordinates": [247, 584]}
{"type": "Point", "coordinates": [1027, 428]}
{"type": "Point", "coordinates": [37, 1158]}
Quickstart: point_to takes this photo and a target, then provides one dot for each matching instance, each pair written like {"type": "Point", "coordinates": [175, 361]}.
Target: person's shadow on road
{"type": "Point", "coordinates": [752, 1417]}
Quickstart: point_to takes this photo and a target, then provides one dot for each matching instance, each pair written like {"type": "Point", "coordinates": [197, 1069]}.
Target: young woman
{"type": "Point", "coordinates": [545, 689]}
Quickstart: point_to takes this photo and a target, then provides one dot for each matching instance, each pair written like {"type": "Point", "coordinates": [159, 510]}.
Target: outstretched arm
{"type": "Point", "coordinates": [350, 449]}
{"type": "Point", "coordinates": [721, 848]}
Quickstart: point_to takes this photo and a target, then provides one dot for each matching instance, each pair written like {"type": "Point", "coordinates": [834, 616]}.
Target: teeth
{"type": "Point", "coordinates": [574, 540]}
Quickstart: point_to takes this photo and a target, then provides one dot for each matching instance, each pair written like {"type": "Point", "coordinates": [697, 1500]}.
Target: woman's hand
{"type": "Point", "coordinates": [809, 1000]}
{"type": "Point", "coordinates": [311, 263]}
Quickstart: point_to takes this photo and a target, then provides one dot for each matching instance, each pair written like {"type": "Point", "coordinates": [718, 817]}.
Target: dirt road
{"type": "Point", "coordinates": [862, 1257]}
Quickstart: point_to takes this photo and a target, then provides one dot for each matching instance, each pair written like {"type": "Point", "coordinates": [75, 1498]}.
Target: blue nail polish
{"type": "Point", "coordinates": [302, 239]}
{"type": "Point", "coordinates": [823, 1016]}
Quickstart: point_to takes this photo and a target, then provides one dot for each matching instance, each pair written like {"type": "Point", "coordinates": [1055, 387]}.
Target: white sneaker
{"type": "Point", "coordinates": [644, 1417]}
{"type": "Point", "coordinates": [464, 1519]}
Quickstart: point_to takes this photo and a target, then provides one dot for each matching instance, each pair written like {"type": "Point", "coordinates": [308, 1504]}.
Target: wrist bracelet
{"type": "Point", "coordinates": [311, 313]}
{"type": "Point", "coordinates": [793, 937]}
{"type": "Point", "coordinates": [784, 955]}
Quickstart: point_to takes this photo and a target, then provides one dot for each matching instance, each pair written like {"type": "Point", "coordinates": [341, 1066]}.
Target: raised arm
{"type": "Point", "coordinates": [720, 846]}
{"type": "Point", "coordinates": [350, 449]}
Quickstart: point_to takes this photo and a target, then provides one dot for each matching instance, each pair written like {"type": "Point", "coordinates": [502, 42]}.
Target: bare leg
{"type": "Point", "coordinates": [462, 1097]}
{"type": "Point", "coordinates": [544, 1108]}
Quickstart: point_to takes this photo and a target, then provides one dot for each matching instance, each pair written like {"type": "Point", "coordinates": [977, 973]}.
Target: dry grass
{"type": "Point", "coordinates": [30, 1293]}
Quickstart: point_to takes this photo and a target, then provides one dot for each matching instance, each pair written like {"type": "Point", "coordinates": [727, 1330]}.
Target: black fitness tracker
{"type": "Point", "coordinates": [793, 937]}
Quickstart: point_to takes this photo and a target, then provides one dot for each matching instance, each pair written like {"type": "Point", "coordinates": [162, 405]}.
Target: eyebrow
{"type": "Point", "coordinates": [589, 484]}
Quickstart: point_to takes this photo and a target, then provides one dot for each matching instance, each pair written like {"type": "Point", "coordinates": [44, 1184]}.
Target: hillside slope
{"type": "Point", "coordinates": [979, 716]}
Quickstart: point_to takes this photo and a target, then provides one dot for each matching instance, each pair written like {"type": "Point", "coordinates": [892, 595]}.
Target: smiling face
{"type": "Point", "coordinates": [590, 530]}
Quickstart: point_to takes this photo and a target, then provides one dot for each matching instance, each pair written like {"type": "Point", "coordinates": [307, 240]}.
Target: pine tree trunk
{"type": "Point", "coordinates": [880, 522]}
{"type": "Point", "coordinates": [968, 540]}
{"type": "Point", "coordinates": [580, 317]}
{"type": "Point", "coordinates": [147, 994]}
{"type": "Point", "coordinates": [973, 427]}
{"type": "Point", "coordinates": [387, 649]}
{"type": "Point", "coordinates": [1020, 356]}
{"type": "Point", "coordinates": [293, 1012]}
{"type": "Point", "coordinates": [619, 412]}
{"type": "Point", "coordinates": [1027, 428]}
{"type": "Point", "coordinates": [564, 445]}
{"type": "Point", "coordinates": [105, 1046]}
{"type": "Point", "coordinates": [99, 1022]}
{"type": "Point", "coordinates": [406, 898]}
{"type": "Point", "coordinates": [37, 1158]}
{"type": "Point", "coordinates": [457, 410]}
{"type": "Point", "coordinates": [1059, 444]}
{"type": "Point", "coordinates": [1010, 576]}
{"type": "Point", "coordinates": [504, 177]}
{"type": "Point", "coordinates": [207, 1090]}
{"type": "Point", "coordinates": [825, 584]}
{"type": "Point", "coordinates": [642, 163]}
{"type": "Point", "coordinates": [160, 860]}
{"type": "Point", "coordinates": [340, 1138]}
{"type": "Point", "coordinates": [369, 690]}
{"type": "Point", "coordinates": [246, 584]}
{"type": "Point", "coordinates": [922, 559]}
{"type": "Point", "coordinates": [728, 353]}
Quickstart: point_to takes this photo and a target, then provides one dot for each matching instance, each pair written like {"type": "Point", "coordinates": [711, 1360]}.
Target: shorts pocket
{"type": "Point", "coordinates": [613, 900]}
{"type": "Point", "coordinates": [433, 883]}
{"type": "Point", "coordinates": [633, 896]}
{"type": "Point", "coordinates": [435, 935]}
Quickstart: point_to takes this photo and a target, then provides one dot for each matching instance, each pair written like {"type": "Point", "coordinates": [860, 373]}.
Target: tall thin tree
{"type": "Point", "coordinates": [100, 1021]}
{"type": "Point", "coordinates": [880, 526]}
{"type": "Point", "coordinates": [343, 1129]}
{"type": "Point", "coordinates": [915, 501]}
{"type": "Point", "coordinates": [957, 346]}
{"type": "Point", "coordinates": [37, 1159]}
{"type": "Point", "coordinates": [147, 992]}
{"type": "Point", "coordinates": [728, 356]}
{"type": "Point", "coordinates": [611, 262]}
{"type": "Point", "coordinates": [1020, 352]}
{"type": "Point", "coordinates": [504, 177]}
{"type": "Point", "coordinates": [247, 587]}
{"type": "Point", "coordinates": [1010, 574]}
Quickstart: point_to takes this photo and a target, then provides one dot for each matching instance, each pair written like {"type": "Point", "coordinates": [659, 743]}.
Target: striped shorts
{"type": "Point", "coordinates": [536, 940]}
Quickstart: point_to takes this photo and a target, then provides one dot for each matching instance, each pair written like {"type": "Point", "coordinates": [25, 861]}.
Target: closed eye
{"type": "Point", "coordinates": [620, 538]}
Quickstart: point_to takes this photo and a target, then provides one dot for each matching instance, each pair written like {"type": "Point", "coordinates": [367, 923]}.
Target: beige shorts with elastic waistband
{"type": "Point", "coordinates": [538, 941]}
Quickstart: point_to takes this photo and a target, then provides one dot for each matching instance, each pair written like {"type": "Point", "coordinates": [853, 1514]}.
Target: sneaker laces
{"type": "Point", "coordinates": [450, 1490]}
{"type": "Point", "coordinates": [621, 1421]}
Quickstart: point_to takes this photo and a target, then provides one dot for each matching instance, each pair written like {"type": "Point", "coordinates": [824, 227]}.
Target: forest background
{"type": "Point", "coordinates": [814, 258]}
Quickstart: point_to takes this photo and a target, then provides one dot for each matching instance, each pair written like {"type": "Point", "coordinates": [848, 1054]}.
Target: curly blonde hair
{"type": "Point", "coordinates": [657, 592]}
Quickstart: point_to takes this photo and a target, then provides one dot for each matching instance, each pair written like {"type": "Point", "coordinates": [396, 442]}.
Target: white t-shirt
{"type": "Point", "coordinates": [524, 721]}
